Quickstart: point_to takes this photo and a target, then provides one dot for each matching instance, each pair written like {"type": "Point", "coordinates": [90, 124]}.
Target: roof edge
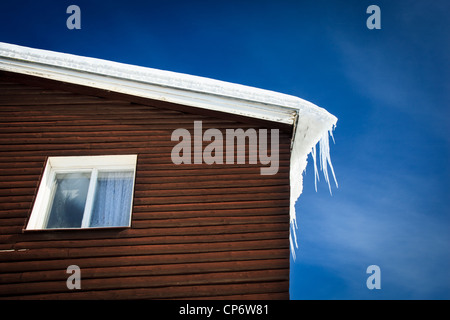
{"type": "Point", "coordinates": [157, 84]}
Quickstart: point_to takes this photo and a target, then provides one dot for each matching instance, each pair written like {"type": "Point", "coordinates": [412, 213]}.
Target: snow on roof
{"type": "Point", "coordinates": [312, 125]}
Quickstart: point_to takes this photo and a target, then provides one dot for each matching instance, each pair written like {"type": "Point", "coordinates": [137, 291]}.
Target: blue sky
{"type": "Point", "coordinates": [389, 88]}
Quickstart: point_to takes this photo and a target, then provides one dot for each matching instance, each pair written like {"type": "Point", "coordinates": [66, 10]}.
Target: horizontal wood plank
{"type": "Point", "coordinates": [185, 292]}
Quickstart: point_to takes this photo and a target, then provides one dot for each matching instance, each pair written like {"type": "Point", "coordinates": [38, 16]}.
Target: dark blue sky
{"type": "Point", "coordinates": [389, 89]}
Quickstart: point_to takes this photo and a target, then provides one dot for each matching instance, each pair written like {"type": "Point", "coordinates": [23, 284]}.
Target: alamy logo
{"type": "Point", "coordinates": [374, 280]}
{"type": "Point", "coordinates": [74, 280]}
{"type": "Point", "coordinates": [74, 20]}
{"type": "Point", "coordinates": [374, 20]}
{"type": "Point", "coordinates": [214, 151]}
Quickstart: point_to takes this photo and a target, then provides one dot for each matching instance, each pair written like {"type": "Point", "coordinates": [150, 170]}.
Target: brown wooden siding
{"type": "Point", "coordinates": [198, 231]}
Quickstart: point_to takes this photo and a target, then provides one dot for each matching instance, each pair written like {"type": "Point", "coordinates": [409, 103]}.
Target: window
{"type": "Point", "coordinates": [85, 192]}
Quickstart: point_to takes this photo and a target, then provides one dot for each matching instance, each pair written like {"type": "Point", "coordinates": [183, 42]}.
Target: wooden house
{"type": "Point", "coordinates": [90, 193]}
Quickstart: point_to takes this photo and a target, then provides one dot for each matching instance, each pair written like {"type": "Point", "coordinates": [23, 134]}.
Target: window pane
{"type": "Point", "coordinates": [69, 200]}
{"type": "Point", "coordinates": [112, 203]}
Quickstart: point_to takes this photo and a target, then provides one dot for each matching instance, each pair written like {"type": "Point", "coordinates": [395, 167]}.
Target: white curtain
{"type": "Point", "coordinates": [112, 204]}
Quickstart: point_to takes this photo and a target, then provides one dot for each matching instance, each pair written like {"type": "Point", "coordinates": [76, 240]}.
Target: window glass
{"type": "Point", "coordinates": [69, 200]}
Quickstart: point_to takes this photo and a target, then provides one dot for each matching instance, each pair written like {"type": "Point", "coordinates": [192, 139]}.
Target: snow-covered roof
{"type": "Point", "coordinates": [312, 125]}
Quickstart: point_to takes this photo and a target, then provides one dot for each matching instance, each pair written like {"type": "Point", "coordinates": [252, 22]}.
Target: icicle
{"type": "Point", "coordinates": [316, 172]}
{"type": "Point", "coordinates": [325, 159]}
{"type": "Point", "coordinates": [307, 136]}
{"type": "Point", "coordinates": [292, 246]}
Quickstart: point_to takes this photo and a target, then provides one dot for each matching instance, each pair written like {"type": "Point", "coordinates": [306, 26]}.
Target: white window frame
{"type": "Point", "coordinates": [40, 212]}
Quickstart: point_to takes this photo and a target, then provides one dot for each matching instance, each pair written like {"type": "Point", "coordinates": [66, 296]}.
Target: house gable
{"type": "Point", "coordinates": [197, 231]}
{"type": "Point", "coordinates": [59, 103]}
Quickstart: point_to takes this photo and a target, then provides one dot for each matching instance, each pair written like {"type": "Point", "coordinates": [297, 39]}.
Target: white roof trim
{"type": "Point", "coordinates": [311, 123]}
{"type": "Point", "coordinates": [156, 84]}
